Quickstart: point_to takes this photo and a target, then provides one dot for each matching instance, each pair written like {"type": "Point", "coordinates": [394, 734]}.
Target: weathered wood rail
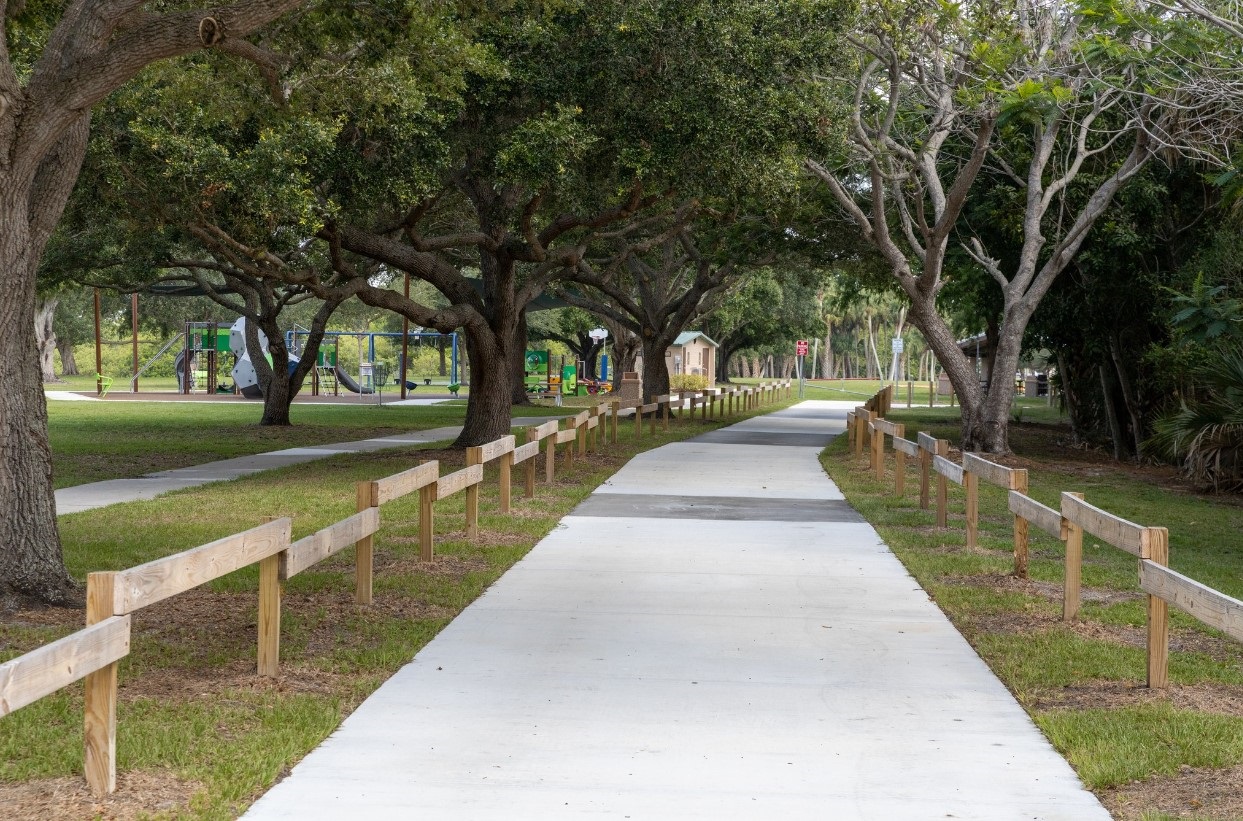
{"type": "Point", "coordinates": [1163, 586]}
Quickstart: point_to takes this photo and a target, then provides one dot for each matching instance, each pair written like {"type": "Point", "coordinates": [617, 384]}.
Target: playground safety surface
{"type": "Point", "coordinates": [711, 635]}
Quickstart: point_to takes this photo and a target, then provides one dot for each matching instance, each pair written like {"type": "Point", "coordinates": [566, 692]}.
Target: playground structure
{"type": "Point", "coordinates": [199, 367]}
{"type": "Point", "coordinates": [198, 363]}
{"type": "Point", "coordinates": [373, 372]}
{"type": "Point", "coordinates": [540, 377]}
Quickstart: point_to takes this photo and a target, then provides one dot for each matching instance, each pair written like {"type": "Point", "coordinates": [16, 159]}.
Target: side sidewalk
{"type": "Point", "coordinates": [114, 491]}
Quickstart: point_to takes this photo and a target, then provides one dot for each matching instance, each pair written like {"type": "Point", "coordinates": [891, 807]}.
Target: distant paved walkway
{"type": "Point", "coordinates": [713, 634]}
{"type": "Point", "coordinates": [114, 491]}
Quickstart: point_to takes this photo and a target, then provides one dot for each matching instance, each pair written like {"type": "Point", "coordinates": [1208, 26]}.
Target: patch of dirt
{"type": "Point", "coordinates": [138, 795]}
{"type": "Point", "coordinates": [1013, 623]}
{"type": "Point", "coordinates": [1046, 590]}
{"type": "Point", "coordinates": [1181, 640]}
{"type": "Point", "coordinates": [439, 566]}
{"type": "Point", "coordinates": [46, 617]}
{"type": "Point", "coordinates": [231, 678]}
{"type": "Point", "coordinates": [1219, 699]}
{"type": "Point", "coordinates": [1200, 793]}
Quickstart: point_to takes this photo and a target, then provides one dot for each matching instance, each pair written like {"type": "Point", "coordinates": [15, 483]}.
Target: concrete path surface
{"type": "Point", "coordinates": [714, 634]}
{"type": "Point", "coordinates": [114, 491]}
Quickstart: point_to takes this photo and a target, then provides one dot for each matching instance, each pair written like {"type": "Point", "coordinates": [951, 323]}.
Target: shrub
{"type": "Point", "coordinates": [1204, 433]}
{"type": "Point", "coordinates": [688, 382]}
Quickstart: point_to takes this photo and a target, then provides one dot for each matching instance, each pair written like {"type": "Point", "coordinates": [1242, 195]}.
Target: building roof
{"type": "Point", "coordinates": [687, 337]}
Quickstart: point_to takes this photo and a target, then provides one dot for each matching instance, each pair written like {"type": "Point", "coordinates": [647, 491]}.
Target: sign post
{"type": "Point", "coordinates": [898, 347]}
{"type": "Point", "coordinates": [598, 335]}
{"type": "Point", "coordinates": [800, 351]}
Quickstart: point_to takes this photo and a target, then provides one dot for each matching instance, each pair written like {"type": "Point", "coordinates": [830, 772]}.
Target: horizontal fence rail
{"type": "Point", "coordinates": [1076, 517]}
{"type": "Point", "coordinates": [1211, 607]}
{"type": "Point", "coordinates": [41, 672]}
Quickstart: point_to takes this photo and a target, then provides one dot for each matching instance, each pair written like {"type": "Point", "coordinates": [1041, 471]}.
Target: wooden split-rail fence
{"type": "Point", "coordinates": [111, 597]}
{"type": "Point", "coordinates": [866, 430]}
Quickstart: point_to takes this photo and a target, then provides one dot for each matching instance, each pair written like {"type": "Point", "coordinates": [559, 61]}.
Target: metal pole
{"type": "Point", "coordinates": [133, 311]}
{"type": "Point", "coordinates": [799, 363]}
{"type": "Point", "coordinates": [405, 340]}
{"type": "Point", "coordinates": [99, 355]}
{"type": "Point", "coordinates": [454, 365]}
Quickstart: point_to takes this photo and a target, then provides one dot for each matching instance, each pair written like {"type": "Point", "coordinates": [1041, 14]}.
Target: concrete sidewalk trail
{"type": "Point", "coordinates": [713, 634]}
{"type": "Point", "coordinates": [115, 491]}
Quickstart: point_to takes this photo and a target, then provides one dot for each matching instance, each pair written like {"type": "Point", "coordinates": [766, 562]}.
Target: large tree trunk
{"type": "Point", "coordinates": [45, 337]}
{"type": "Point", "coordinates": [626, 349]}
{"type": "Point", "coordinates": [1111, 413]}
{"type": "Point", "coordinates": [655, 371]}
{"type": "Point", "coordinates": [274, 378]}
{"type": "Point", "coordinates": [31, 566]}
{"type": "Point", "coordinates": [32, 201]}
{"type": "Point", "coordinates": [490, 354]}
{"type": "Point", "coordinates": [279, 383]}
{"type": "Point", "coordinates": [591, 361]}
{"type": "Point", "coordinates": [68, 363]}
{"type": "Point", "coordinates": [1128, 393]}
{"type": "Point", "coordinates": [724, 355]}
{"type": "Point", "coordinates": [518, 360]}
{"type": "Point", "coordinates": [44, 126]}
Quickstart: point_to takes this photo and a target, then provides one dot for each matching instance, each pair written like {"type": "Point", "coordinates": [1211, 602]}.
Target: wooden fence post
{"type": "Point", "coordinates": [943, 487]}
{"type": "Point", "coordinates": [550, 459]}
{"type": "Point", "coordinates": [899, 464]}
{"type": "Point", "coordinates": [615, 406]}
{"type": "Point", "coordinates": [474, 456]}
{"type": "Point", "coordinates": [925, 473]}
{"type": "Point", "coordinates": [268, 652]}
{"type": "Point", "coordinates": [507, 467]}
{"type": "Point", "coordinates": [971, 486]}
{"type": "Point", "coordinates": [572, 424]}
{"type": "Point", "coordinates": [878, 453]}
{"type": "Point", "coordinates": [364, 550]}
{"type": "Point", "coordinates": [1072, 534]}
{"type": "Point", "coordinates": [100, 762]}
{"type": "Point", "coordinates": [427, 522]}
{"type": "Point", "coordinates": [1018, 481]}
{"type": "Point", "coordinates": [1158, 613]}
{"type": "Point", "coordinates": [532, 436]}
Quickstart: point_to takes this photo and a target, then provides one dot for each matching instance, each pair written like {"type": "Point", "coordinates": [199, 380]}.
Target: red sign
{"type": "Point", "coordinates": [800, 347]}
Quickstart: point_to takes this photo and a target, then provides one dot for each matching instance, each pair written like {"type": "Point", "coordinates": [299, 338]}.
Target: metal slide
{"type": "Point", "coordinates": [348, 382]}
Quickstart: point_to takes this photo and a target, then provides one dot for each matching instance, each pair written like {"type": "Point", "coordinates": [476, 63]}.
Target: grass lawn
{"type": "Point", "coordinates": [1149, 754]}
{"type": "Point", "coordinates": [200, 735]}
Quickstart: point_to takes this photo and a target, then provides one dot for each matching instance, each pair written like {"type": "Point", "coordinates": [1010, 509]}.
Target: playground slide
{"type": "Point", "coordinates": [348, 383]}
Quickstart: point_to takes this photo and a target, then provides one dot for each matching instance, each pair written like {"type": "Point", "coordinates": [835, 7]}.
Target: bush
{"type": "Point", "coordinates": [688, 382]}
{"type": "Point", "coordinates": [1204, 432]}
